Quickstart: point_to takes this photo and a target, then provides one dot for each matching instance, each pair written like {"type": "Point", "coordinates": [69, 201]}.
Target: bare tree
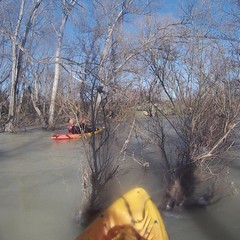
{"type": "Point", "coordinates": [36, 98]}
{"type": "Point", "coordinates": [19, 39]}
{"type": "Point", "coordinates": [195, 111]}
{"type": "Point", "coordinates": [66, 9]}
{"type": "Point", "coordinates": [108, 93]}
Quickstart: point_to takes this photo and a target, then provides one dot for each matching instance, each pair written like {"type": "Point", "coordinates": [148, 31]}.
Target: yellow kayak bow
{"type": "Point", "coordinates": [132, 217]}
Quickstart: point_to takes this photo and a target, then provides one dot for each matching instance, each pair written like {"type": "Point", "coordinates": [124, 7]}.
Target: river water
{"type": "Point", "coordinates": [40, 190]}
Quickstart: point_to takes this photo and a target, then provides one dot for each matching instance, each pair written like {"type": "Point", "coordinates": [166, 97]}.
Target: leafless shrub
{"type": "Point", "coordinates": [193, 111]}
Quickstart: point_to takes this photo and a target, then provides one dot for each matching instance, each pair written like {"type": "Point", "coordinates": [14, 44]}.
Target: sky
{"type": "Point", "coordinates": [170, 6]}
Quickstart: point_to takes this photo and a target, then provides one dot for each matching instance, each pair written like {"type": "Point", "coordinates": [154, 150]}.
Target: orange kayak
{"type": "Point", "coordinates": [69, 136]}
{"type": "Point", "coordinates": [132, 217]}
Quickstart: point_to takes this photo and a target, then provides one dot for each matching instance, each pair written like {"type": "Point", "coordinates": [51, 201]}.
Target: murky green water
{"type": "Point", "coordinates": [39, 187]}
{"type": "Point", "coordinates": [40, 190]}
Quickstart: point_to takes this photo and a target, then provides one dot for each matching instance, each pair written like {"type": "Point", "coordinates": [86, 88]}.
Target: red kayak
{"type": "Point", "coordinates": [69, 136]}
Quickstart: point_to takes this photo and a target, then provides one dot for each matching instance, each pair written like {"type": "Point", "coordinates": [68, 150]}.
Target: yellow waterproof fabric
{"type": "Point", "coordinates": [132, 217]}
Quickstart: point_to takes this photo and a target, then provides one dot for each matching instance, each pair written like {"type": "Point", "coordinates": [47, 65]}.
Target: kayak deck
{"type": "Point", "coordinates": [69, 136]}
{"type": "Point", "coordinates": [133, 216]}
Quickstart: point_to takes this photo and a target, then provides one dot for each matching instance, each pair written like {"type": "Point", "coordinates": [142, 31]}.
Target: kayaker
{"type": "Point", "coordinates": [72, 128]}
{"type": "Point", "coordinates": [84, 124]}
{"type": "Point", "coordinates": [70, 124]}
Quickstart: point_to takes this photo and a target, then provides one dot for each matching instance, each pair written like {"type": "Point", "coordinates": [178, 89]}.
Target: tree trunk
{"type": "Point", "coordinates": [51, 120]}
{"type": "Point", "coordinates": [65, 13]}
{"type": "Point", "coordinates": [35, 99]}
{"type": "Point", "coordinates": [15, 73]}
{"type": "Point", "coordinates": [17, 60]}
